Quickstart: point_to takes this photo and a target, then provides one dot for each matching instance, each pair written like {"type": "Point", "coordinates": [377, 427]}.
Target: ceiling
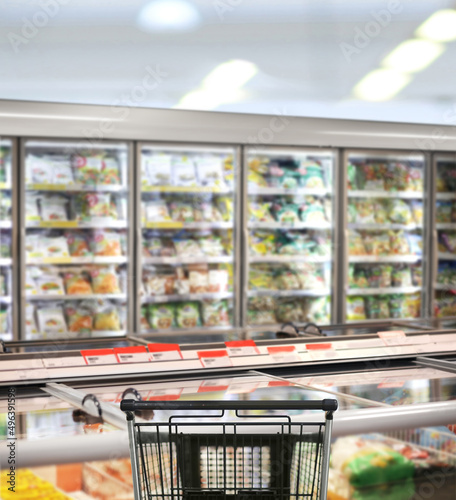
{"type": "Point", "coordinates": [94, 52]}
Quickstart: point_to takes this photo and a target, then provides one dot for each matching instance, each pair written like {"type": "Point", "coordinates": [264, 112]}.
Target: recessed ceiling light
{"type": "Point", "coordinates": [381, 85]}
{"type": "Point", "coordinates": [440, 27]}
{"type": "Point", "coordinates": [413, 55]}
{"type": "Point", "coordinates": [169, 15]}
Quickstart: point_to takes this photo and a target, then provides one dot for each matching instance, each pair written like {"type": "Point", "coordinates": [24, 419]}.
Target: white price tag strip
{"type": "Point", "coordinates": [60, 362]}
{"type": "Point", "coordinates": [164, 394]}
{"type": "Point", "coordinates": [99, 357]}
{"type": "Point", "coordinates": [132, 354]}
{"type": "Point", "coordinates": [242, 348]}
{"type": "Point", "coordinates": [391, 383]}
{"type": "Point", "coordinates": [284, 354]}
{"type": "Point", "coordinates": [321, 351]}
{"type": "Point", "coordinates": [394, 337]}
{"type": "Point", "coordinates": [214, 359]}
{"type": "Point", "coordinates": [165, 352]}
{"type": "Point", "coordinates": [220, 384]}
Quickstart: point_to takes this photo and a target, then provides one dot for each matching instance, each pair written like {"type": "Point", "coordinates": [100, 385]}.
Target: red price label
{"type": "Point", "coordinates": [165, 352]}
{"type": "Point", "coordinates": [214, 359]}
{"type": "Point", "coordinates": [242, 348]}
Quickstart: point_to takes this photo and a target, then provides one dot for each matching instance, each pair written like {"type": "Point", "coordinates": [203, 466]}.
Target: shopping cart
{"type": "Point", "coordinates": [257, 453]}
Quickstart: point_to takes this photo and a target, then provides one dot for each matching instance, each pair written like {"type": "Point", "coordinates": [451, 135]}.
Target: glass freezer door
{"type": "Point", "coordinates": [187, 212]}
{"type": "Point", "coordinates": [445, 224]}
{"type": "Point", "coordinates": [75, 282]}
{"type": "Point", "coordinates": [7, 218]}
{"type": "Point", "coordinates": [384, 217]}
{"type": "Point", "coordinates": [289, 246]}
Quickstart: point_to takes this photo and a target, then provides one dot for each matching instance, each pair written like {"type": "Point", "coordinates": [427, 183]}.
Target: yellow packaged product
{"type": "Point", "coordinates": [107, 319]}
{"type": "Point", "coordinates": [105, 280]}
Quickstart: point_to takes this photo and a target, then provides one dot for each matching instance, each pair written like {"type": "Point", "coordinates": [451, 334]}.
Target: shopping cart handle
{"type": "Point", "coordinates": [130, 405]}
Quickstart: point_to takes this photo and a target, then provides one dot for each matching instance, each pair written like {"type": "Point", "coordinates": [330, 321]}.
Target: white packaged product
{"type": "Point", "coordinates": [54, 208]}
{"type": "Point", "coordinates": [54, 246]}
{"type": "Point", "coordinates": [184, 173]}
{"type": "Point", "coordinates": [31, 208]}
{"type": "Point", "coordinates": [51, 320]}
{"type": "Point", "coordinates": [62, 172]}
{"type": "Point", "coordinates": [34, 248]}
{"type": "Point", "coordinates": [157, 211]}
{"type": "Point", "coordinates": [30, 323]}
{"type": "Point", "coordinates": [38, 170]}
{"type": "Point", "coordinates": [4, 321]}
{"type": "Point", "coordinates": [158, 169]}
{"type": "Point", "coordinates": [218, 280]}
{"type": "Point", "coordinates": [210, 171]}
{"type": "Point", "coordinates": [50, 284]}
{"type": "Point", "coordinates": [30, 285]}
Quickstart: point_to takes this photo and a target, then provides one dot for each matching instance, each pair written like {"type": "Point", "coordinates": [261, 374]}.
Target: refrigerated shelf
{"type": "Point", "coordinates": [188, 225]}
{"type": "Point", "coordinates": [70, 224]}
{"type": "Point", "coordinates": [446, 225]}
{"type": "Point", "coordinates": [175, 261]}
{"type": "Point", "coordinates": [114, 188]}
{"type": "Point", "coordinates": [446, 196]}
{"type": "Point", "coordinates": [446, 256]}
{"type": "Point", "coordinates": [385, 194]}
{"type": "Point", "coordinates": [384, 291]}
{"type": "Point", "coordinates": [449, 286]}
{"type": "Point", "coordinates": [273, 191]}
{"type": "Point", "coordinates": [384, 227]}
{"type": "Point", "coordinates": [290, 293]}
{"type": "Point", "coordinates": [299, 225]}
{"type": "Point", "coordinates": [186, 297]}
{"type": "Point", "coordinates": [288, 258]}
{"type": "Point", "coordinates": [57, 297]}
{"type": "Point", "coordinates": [374, 259]}
{"type": "Point", "coordinates": [76, 260]}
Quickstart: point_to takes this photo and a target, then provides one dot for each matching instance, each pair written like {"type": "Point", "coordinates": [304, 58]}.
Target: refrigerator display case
{"type": "Point", "coordinates": [385, 235]}
{"type": "Point", "coordinates": [7, 240]}
{"type": "Point", "coordinates": [445, 235]}
{"type": "Point", "coordinates": [289, 234]}
{"type": "Point", "coordinates": [77, 242]}
{"type": "Point", "coordinates": [188, 251]}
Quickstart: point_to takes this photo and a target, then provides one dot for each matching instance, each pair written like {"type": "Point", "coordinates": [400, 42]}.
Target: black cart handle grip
{"type": "Point", "coordinates": [131, 405]}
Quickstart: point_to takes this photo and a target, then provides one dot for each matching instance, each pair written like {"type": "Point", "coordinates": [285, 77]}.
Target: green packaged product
{"type": "Point", "coordinates": [395, 306]}
{"type": "Point", "coordinates": [288, 214]}
{"type": "Point", "coordinates": [352, 176]}
{"type": "Point", "coordinates": [260, 317]}
{"type": "Point", "coordinates": [161, 316]}
{"type": "Point", "coordinates": [187, 315]}
{"type": "Point", "coordinates": [289, 311]}
{"type": "Point", "coordinates": [311, 175]}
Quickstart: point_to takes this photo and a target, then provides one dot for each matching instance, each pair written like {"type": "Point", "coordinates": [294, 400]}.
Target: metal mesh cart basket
{"type": "Point", "coordinates": [256, 456]}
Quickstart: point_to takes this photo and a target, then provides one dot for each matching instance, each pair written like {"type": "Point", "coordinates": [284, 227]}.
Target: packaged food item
{"type": "Point", "coordinates": [105, 280]}
{"type": "Point", "coordinates": [80, 319]}
{"type": "Point", "coordinates": [260, 212]}
{"type": "Point", "coordinates": [399, 243]}
{"type": "Point", "coordinates": [90, 207]}
{"type": "Point", "coordinates": [397, 177]}
{"type": "Point", "coordinates": [311, 275]}
{"type": "Point", "coordinates": [30, 284]}
{"type": "Point", "coordinates": [262, 303]}
{"type": "Point", "coordinates": [187, 315]}
{"type": "Point", "coordinates": [107, 318]}
{"type": "Point", "coordinates": [313, 211]}
{"type": "Point", "coordinates": [289, 180]}
{"type": "Point", "coordinates": [287, 213]}
{"type": "Point", "coordinates": [417, 276]}
{"type": "Point", "coordinates": [218, 280]}
{"type": "Point", "coordinates": [415, 243]}
{"type": "Point", "coordinates": [411, 306]}
{"type": "Point", "coordinates": [39, 170]}
{"type": "Point", "coordinates": [77, 284]}
{"type": "Point", "coordinates": [383, 306]}
{"type": "Point", "coordinates": [261, 278]}
{"type": "Point", "coordinates": [106, 243]}
{"type": "Point", "coordinates": [357, 277]}
{"type": "Point", "coordinates": [262, 243]}
{"type": "Point", "coordinates": [33, 246]}
{"type": "Point", "coordinates": [157, 169]}
{"type": "Point", "coordinates": [444, 211]}
{"type": "Point", "coordinates": [311, 175]}
{"type": "Point", "coordinates": [160, 284]}
{"type": "Point", "coordinates": [110, 173]}
{"type": "Point", "coordinates": [256, 180]}
{"type": "Point", "coordinates": [255, 317]}
{"type": "Point", "coordinates": [51, 320]}
{"type": "Point", "coordinates": [385, 276]}
{"type": "Point", "coordinates": [417, 211]}
{"type": "Point", "coordinates": [396, 306]}
{"type": "Point", "coordinates": [211, 245]}
{"type": "Point", "coordinates": [54, 246]}
{"type": "Point", "coordinates": [158, 246]}
{"type": "Point", "coordinates": [372, 308]}
{"type": "Point", "coordinates": [77, 244]}
{"type": "Point", "coordinates": [352, 176]}
{"type": "Point", "coordinates": [316, 310]}
{"type": "Point", "coordinates": [400, 212]}
{"type": "Point", "coordinates": [289, 310]}
{"type": "Point", "coordinates": [4, 321]}
{"type": "Point", "coordinates": [161, 316]}
{"type": "Point", "coordinates": [5, 245]}
{"type": "Point", "coordinates": [144, 325]}
{"type": "Point", "coordinates": [53, 208]}
{"type": "Point", "coordinates": [87, 168]}
{"type": "Point", "coordinates": [259, 165]}
{"type": "Point", "coordinates": [50, 284]}
{"type": "Point", "coordinates": [365, 212]}
{"type": "Point", "coordinates": [186, 247]}
{"type": "Point", "coordinates": [416, 179]}
{"type": "Point", "coordinates": [288, 279]}
{"type": "Point", "coordinates": [63, 173]}
{"type": "Point", "coordinates": [31, 208]}
{"type": "Point", "coordinates": [5, 205]}
{"type": "Point", "coordinates": [157, 211]}
{"type": "Point", "coordinates": [208, 212]}
{"type": "Point", "coordinates": [182, 212]}
{"type": "Point", "coordinates": [210, 171]}
{"type": "Point", "coordinates": [356, 243]}
{"type": "Point", "coordinates": [371, 176]}
{"type": "Point", "coordinates": [183, 170]}
{"type": "Point", "coordinates": [225, 206]}
{"type": "Point", "coordinates": [355, 309]}
{"type": "Point", "coordinates": [377, 244]}
{"type": "Point", "coordinates": [215, 313]}
{"type": "Point", "coordinates": [30, 323]}
{"type": "Point", "coordinates": [380, 208]}
{"type": "Point", "coordinates": [401, 276]}
{"type": "Point", "coordinates": [199, 281]}
{"type": "Point", "coordinates": [374, 276]}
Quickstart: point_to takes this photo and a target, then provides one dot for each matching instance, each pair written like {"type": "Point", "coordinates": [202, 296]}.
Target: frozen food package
{"type": "Point", "coordinates": [316, 310]}
{"type": "Point", "coordinates": [3, 291]}
{"type": "Point", "coordinates": [288, 279]}
{"type": "Point", "coordinates": [355, 309]}
{"type": "Point", "coordinates": [356, 243]}
{"type": "Point", "coordinates": [34, 247]}
{"type": "Point", "coordinates": [161, 316]}
{"type": "Point", "coordinates": [4, 320]}
{"type": "Point", "coordinates": [396, 306]}
{"type": "Point", "coordinates": [357, 277]}
{"type": "Point", "coordinates": [30, 323]}
{"type": "Point", "coordinates": [226, 208]}
{"type": "Point", "coordinates": [62, 172]}
{"type": "Point", "coordinates": [400, 212]}
{"type": "Point", "coordinates": [157, 211]}
{"type": "Point", "coordinates": [77, 244]}
{"type": "Point", "coordinates": [352, 176]}
{"type": "Point", "coordinates": [417, 276]}
{"type": "Point", "coordinates": [54, 246]}
{"type": "Point", "coordinates": [312, 175]}
{"type": "Point", "coordinates": [311, 275]}
{"type": "Point", "coordinates": [377, 244]}
{"type": "Point", "coordinates": [5, 245]}
{"type": "Point", "coordinates": [5, 205]}
{"type": "Point", "coordinates": [417, 211]}
{"type": "Point", "coordinates": [371, 176]}
{"type": "Point", "coordinates": [255, 317]}
{"type": "Point", "coordinates": [381, 211]}
{"type": "Point", "coordinates": [383, 306]}
{"type": "Point", "coordinates": [183, 171]}
{"type": "Point", "coordinates": [79, 319]}
{"type": "Point", "coordinates": [218, 280]}
{"type": "Point", "coordinates": [365, 212]}
{"type": "Point", "coordinates": [91, 207]}
{"type": "Point", "coordinates": [416, 179]}
{"type": "Point", "coordinates": [261, 278]}
{"type": "Point", "coordinates": [444, 211]}
{"type": "Point", "coordinates": [411, 306]}
{"type": "Point", "coordinates": [256, 180]}
{"type": "Point", "coordinates": [50, 284]}
{"type": "Point", "coordinates": [158, 169]}
{"type": "Point", "coordinates": [287, 213]}
{"type": "Point", "coordinates": [77, 284]}
{"type": "Point", "coordinates": [87, 168]}
{"type": "Point", "coordinates": [397, 177]}
{"type": "Point", "coordinates": [211, 245]}
{"type": "Point", "coordinates": [262, 303]}
{"type": "Point", "coordinates": [107, 319]}
{"type": "Point", "coordinates": [399, 243]}
{"type": "Point", "coordinates": [415, 242]}
{"type": "Point", "coordinates": [262, 243]}
{"type": "Point", "coordinates": [144, 321]}
{"type": "Point", "coordinates": [186, 247]}
{"type": "Point", "coordinates": [39, 170]}
{"type": "Point", "coordinates": [160, 284]}
{"type": "Point", "coordinates": [401, 276]}
{"type": "Point", "coordinates": [210, 171]}
{"type": "Point", "coordinates": [182, 212]}
{"type": "Point", "coordinates": [158, 246]}
{"type": "Point", "coordinates": [105, 280]}
{"type": "Point", "coordinates": [260, 212]}
{"type": "Point", "coordinates": [31, 208]}
{"type": "Point", "coordinates": [199, 281]}
{"type": "Point", "coordinates": [372, 308]}
{"type": "Point", "coordinates": [215, 313]}
{"type": "Point", "coordinates": [51, 320]}
{"type": "Point", "coordinates": [30, 284]}
{"type": "Point", "coordinates": [106, 243]}
{"type": "Point", "coordinates": [208, 212]}
{"type": "Point", "coordinates": [54, 208]}
{"type": "Point", "coordinates": [352, 212]}
{"type": "Point", "coordinates": [313, 211]}
{"type": "Point", "coordinates": [110, 173]}
{"type": "Point", "coordinates": [289, 311]}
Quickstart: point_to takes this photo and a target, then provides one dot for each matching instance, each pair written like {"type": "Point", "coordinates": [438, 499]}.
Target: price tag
{"type": "Point", "coordinates": [321, 351]}
{"type": "Point", "coordinates": [60, 362]}
{"type": "Point", "coordinates": [394, 337]}
{"type": "Point", "coordinates": [99, 357]}
{"type": "Point", "coordinates": [279, 383]}
{"type": "Point", "coordinates": [59, 223]}
{"type": "Point", "coordinates": [284, 354]}
{"type": "Point", "coordinates": [57, 260]}
{"type": "Point", "coordinates": [240, 388]}
{"type": "Point", "coordinates": [165, 225]}
{"type": "Point", "coordinates": [49, 187]}
{"type": "Point", "coordinates": [391, 383]}
{"type": "Point", "coordinates": [165, 352]}
{"type": "Point", "coordinates": [133, 354]}
{"type": "Point", "coordinates": [214, 359]}
{"type": "Point", "coordinates": [242, 348]}
{"type": "Point", "coordinates": [164, 394]}
{"type": "Point", "coordinates": [214, 385]}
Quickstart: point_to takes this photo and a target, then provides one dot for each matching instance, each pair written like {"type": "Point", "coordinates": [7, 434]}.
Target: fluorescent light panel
{"type": "Point", "coordinates": [413, 55]}
{"type": "Point", "coordinates": [381, 85]}
{"type": "Point", "coordinates": [440, 27]}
